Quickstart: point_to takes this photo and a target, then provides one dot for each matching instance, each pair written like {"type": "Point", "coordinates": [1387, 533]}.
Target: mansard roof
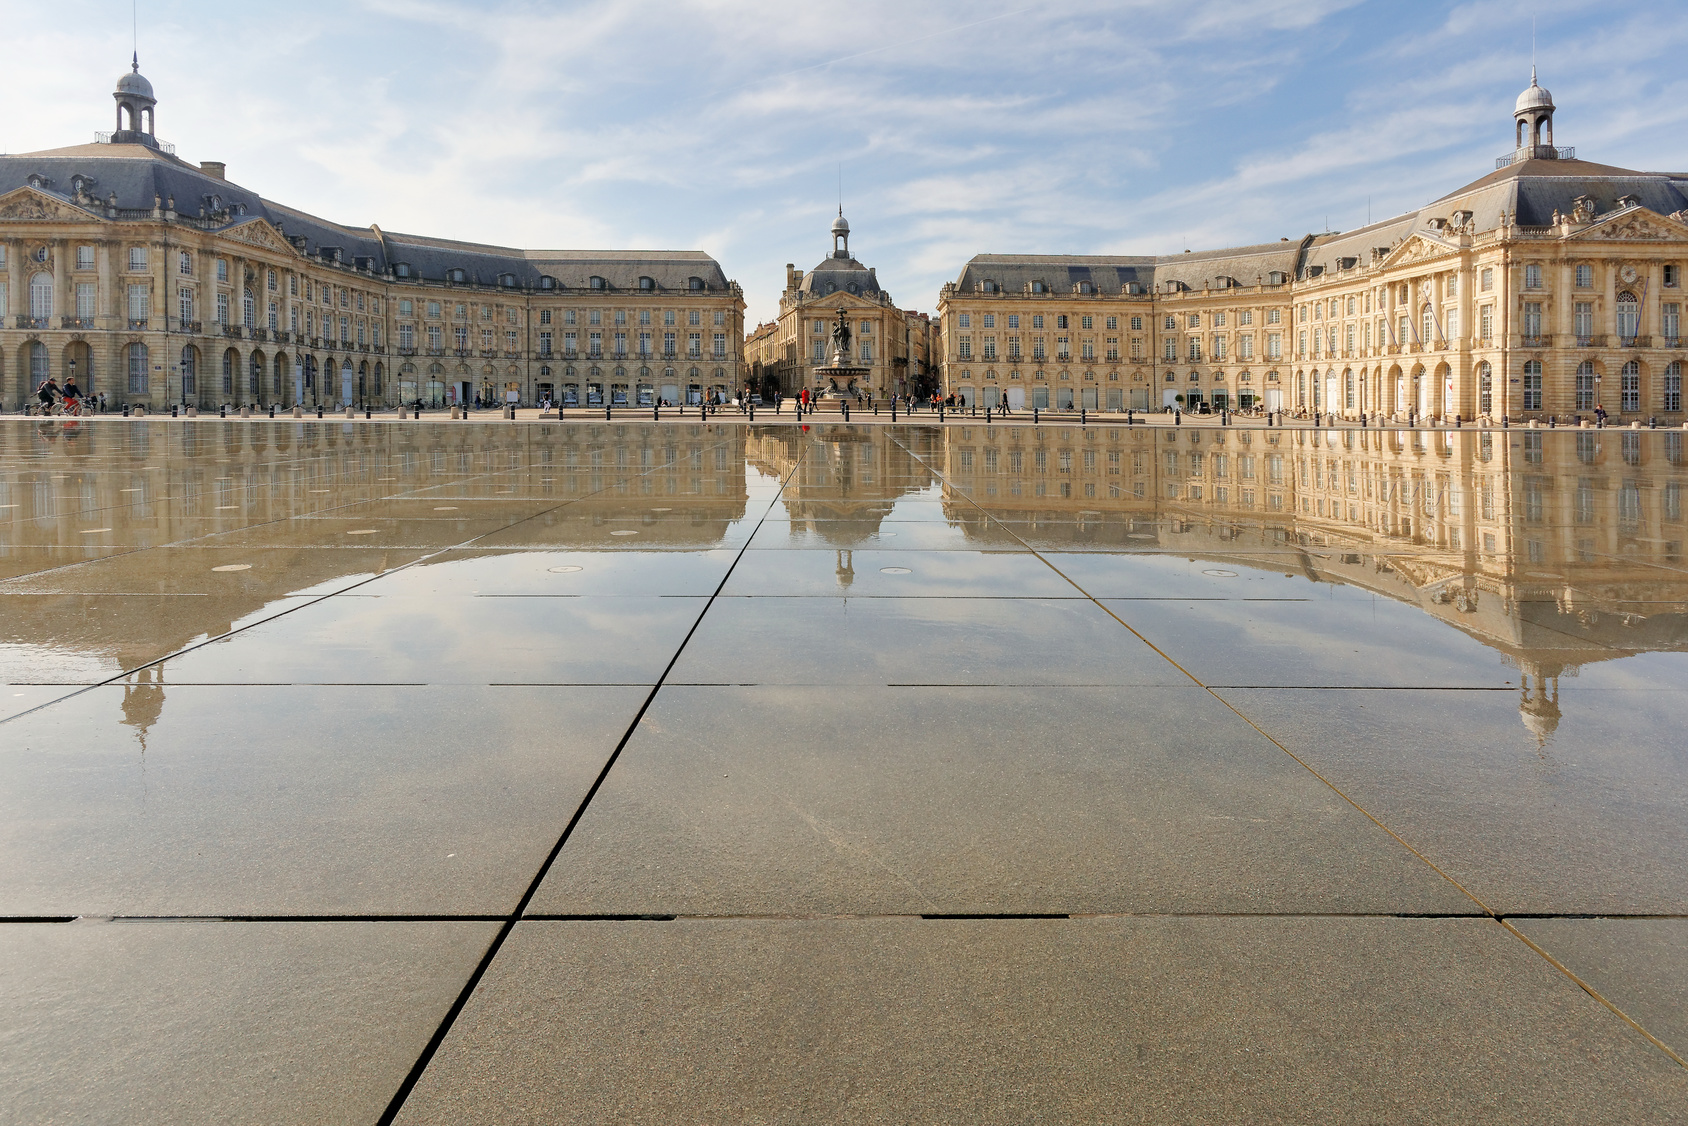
{"type": "Point", "coordinates": [137, 174]}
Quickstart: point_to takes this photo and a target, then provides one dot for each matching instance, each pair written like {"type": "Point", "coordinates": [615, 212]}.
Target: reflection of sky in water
{"type": "Point", "coordinates": [1538, 563]}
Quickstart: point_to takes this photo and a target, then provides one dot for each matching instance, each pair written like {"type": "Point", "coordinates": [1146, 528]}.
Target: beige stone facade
{"type": "Point", "coordinates": [1545, 289]}
{"type": "Point", "coordinates": [894, 345]}
{"type": "Point", "coordinates": [166, 284]}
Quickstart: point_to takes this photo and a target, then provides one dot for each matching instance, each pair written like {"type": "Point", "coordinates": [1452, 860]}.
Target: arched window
{"type": "Point", "coordinates": [137, 369]}
{"type": "Point", "coordinates": [1629, 388]}
{"type": "Point", "coordinates": [1585, 385]}
{"type": "Point", "coordinates": [41, 296]}
{"type": "Point", "coordinates": [229, 360]}
{"type": "Point", "coordinates": [1629, 316]}
{"type": "Point", "coordinates": [190, 372]}
{"type": "Point", "coordinates": [255, 376]}
{"type": "Point", "coordinates": [279, 374]}
{"type": "Point", "coordinates": [38, 367]}
{"type": "Point", "coordinates": [1485, 389]}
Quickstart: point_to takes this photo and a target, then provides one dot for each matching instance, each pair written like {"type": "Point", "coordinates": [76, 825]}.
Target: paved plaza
{"type": "Point", "coordinates": [717, 772]}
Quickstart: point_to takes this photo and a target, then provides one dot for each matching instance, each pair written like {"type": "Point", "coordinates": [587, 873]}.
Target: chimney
{"type": "Point", "coordinates": [213, 169]}
{"type": "Point", "coordinates": [792, 277]}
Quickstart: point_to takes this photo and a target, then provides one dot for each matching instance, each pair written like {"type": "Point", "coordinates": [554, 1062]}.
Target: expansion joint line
{"type": "Point", "coordinates": [509, 923]}
{"type": "Point", "coordinates": [1488, 911]}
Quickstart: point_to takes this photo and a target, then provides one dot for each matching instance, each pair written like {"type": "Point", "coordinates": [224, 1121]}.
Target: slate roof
{"type": "Point", "coordinates": [1528, 191]}
{"type": "Point", "coordinates": [841, 275]}
{"type": "Point", "coordinates": [137, 173]}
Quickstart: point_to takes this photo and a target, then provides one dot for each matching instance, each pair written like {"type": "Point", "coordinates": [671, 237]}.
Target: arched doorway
{"type": "Point", "coordinates": [188, 377]}
{"type": "Point", "coordinates": [346, 382]}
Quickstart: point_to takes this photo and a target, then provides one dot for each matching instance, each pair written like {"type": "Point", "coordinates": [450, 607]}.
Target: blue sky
{"type": "Point", "coordinates": [1021, 126]}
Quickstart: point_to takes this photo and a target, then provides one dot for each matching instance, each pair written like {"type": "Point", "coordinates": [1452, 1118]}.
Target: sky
{"type": "Point", "coordinates": [949, 129]}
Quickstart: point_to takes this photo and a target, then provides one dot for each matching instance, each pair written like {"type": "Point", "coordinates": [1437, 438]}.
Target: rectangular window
{"type": "Point", "coordinates": [989, 321]}
{"type": "Point", "coordinates": [345, 330]}
{"type": "Point", "coordinates": [1673, 386]}
{"type": "Point", "coordinates": [1486, 319]}
{"type": "Point", "coordinates": [1671, 322]}
{"type": "Point", "coordinates": [275, 318]}
{"type": "Point", "coordinates": [668, 344]}
{"type": "Point", "coordinates": [1673, 277]}
{"type": "Point", "coordinates": [721, 346]}
{"type": "Point", "coordinates": [644, 343]}
{"type": "Point", "coordinates": [460, 337]}
{"type": "Point", "coordinates": [510, 340]}
{"type": "Point", "coordinates": [84, 258]}
{"type": "Point", "coordinates": [137, 259]}
{"type": "Point", "coordinates": [595, 344]}
{"type": "Point", "coordinates": [1113, 323]}
{"type": "Point", "coordinates": [1245, 347]}
{"type": "Point", "coordinates": [433, 308]}
{"type": "Point", "coordinates": [1585, 316]}
{"type": "Point", "coordinates": [184, 306]}
{"type": "Point", "coordinates": [694, 343]}
{"type": "Point", "coordinates": [1063, 347]}
{"type": "Point", "coordinates": [1170, 351]}
{"type": "Point", "coordinates": [1087, 322]}
{"type": "Point", "coordinates": [1136, 324]}
{"type": "Point", "coordinates": [222, 308]}
{"type": "Point", "coordinates": [85, 301]}
{"type": "Point", "coordinates": [407, 337]}
{"type": "Point", "coordinates": [1532, 388]}
{"type": "Point", "coordinates": [435, 343]}
{"type": "Point", "coordinates": [965, 321]}
{"type": "Point", "coordinates": [1274, 346]}
{"type": "Point", "coordinates": [1532, 276]}
{"type": "Point", "coordinates": [866, 351]}
{"type": "Point", "coordinates": [184, 264]}
{"type": "Point", "coordinates": [990, 348]}
{"type": "Point", "coordinates": [621, 344]}
{"type": "Point", "coordinates": [964, 348]}
{"type": "Point", "coordinates": [1585, 277]}
{"type": "Point", "coordinates": [222, 269]}
{"type": "Point", "coordinates": [1532, 318]}
{"type": "Point", "coordinates": [139, 298]}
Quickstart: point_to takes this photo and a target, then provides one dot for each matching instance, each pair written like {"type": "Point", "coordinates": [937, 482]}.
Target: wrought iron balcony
{"type": "Point", "coordinates": [1591, 342]}
{"type": "Point", "coordinates": [76, 322]}
{"type": "Point", "coordinates": [32, 322]}
{"type": "Point", "coordinates": [1536, 341]}
{"type": "Point", "coordinates": [137, 324]}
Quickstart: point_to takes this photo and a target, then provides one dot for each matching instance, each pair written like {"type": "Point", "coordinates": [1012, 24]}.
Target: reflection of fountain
{"type": "Point", "coordinates": [839, 369]}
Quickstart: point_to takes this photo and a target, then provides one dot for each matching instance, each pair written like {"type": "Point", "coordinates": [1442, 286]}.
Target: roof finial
{"type": "Point", "coordinates": [135, 63]}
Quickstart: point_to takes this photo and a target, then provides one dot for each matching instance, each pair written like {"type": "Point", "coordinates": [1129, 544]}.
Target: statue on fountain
{"type": "Point", "coordinates": [841, 340]}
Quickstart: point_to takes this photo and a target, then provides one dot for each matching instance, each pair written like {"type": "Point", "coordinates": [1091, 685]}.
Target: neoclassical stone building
{"type": "Point", "coordinates": [165, 283]}
{"type": "Point", "coordinates": [1545, 288]}
{"type": "Point", "coordinates": [895, 345]}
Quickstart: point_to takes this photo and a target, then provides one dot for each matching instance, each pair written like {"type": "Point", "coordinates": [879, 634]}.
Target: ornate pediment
{"type": "Point", "coordinates": [1638, 224]}
{"type": "Point", "coordinates": [1418, 248]}
{"type": "Point", "coordinates": [30, 205]}
{"type": "Point", "coordinates": [260, 233]}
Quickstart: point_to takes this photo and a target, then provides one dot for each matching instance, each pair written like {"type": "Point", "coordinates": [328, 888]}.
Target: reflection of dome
{"type": "Point", "coordinates": [1533, 98]}
{"type": "Point", "coordinates": [1538, 702]}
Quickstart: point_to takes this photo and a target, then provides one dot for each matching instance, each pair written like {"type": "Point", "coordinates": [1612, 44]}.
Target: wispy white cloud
{"type": "Point", "coordinates": [1089, 126]}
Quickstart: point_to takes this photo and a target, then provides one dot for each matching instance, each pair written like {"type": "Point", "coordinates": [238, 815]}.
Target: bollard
{"type": "Point", "coordinates": [606, 412]}
{"type": "Point", "coordinates": [1081, 418]}
{"type": "Point", "coordinates": [366, 413]}
{"type": "Point", "coordinates": [319, 410]}
{"type": "Point", "coordinates": [1177, 418]}
{"type": "Point", "coordinates": [845, 407]}
{"type": "Point", "coordinates": [1652, 422]}
{"type": "Point", "coordinates": [223, 411]}
{"type": "Point", "coordinates": [752, 409]}
{"type": "Point", "coordinates": [987, 415]}
{"type": "Point", "coordinates": [656, 413]}
{"type": "Point", "coordinates": [1552, 422]}
{"type": "Point", "coordinates": [893, 410]}
{"type": "Point", "coordinates": [125, 410]}
{"type": "Point", "coordinates": [172, 410]}
{"type": "Point", "coordinates": [1505, 422]}
{"type": "Point", "coordinates": [1034, 417]}
{"type": "Point", "coordinates": [940, 412]}
{"type": "Point", "coordinates": [272, 410]}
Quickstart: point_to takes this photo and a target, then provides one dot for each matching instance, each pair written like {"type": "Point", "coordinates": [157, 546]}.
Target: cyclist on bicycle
{"type": "Point", "coordinates": [72, 396]}
{"type": "Point", "coordinates": [47, 393]}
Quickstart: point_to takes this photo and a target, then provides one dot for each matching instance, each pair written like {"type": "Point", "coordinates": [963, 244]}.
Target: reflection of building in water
{"type": "Point", "coordinates": [843, 480]}
{"type": "Point", "coordinates": [1557, 549]}
{"type": "Point", "coordinates": [167, 487]}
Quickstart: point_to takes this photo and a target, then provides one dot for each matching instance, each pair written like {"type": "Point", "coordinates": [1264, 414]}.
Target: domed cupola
{"type": "Point", "coordinates": [841, 236]}
{"type": "Point", "coordinates": [1534, 109]}
{"type": "Point", "coordinates": [136, 122]}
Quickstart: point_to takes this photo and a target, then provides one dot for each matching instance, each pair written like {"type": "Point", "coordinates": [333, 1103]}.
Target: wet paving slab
{"type": "Point", "coordinates": [723, 772]}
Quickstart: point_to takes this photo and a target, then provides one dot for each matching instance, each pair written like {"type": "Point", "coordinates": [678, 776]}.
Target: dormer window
{"type": "Point", "coordinates": [457, 275]}
{"type": "Point", "coordinates": [987, 287]}
{"type": "Point", "coordinates": [595, 282]}
{"type": "Point", "coordinates": [647, 284]}
{"type": "Point", "coordinates": [694, 283]}
{"type": "Point", "coordinates": [1039, 287]}
{"type": "Point", "coordinates": [508, 281]}
{"type": "Point", "coordinates": [1629, 201]}
{"type": "Point", "coordinates": [1086, 287]}
{"type": "Point", "coordinates": [401, 270]}
{"type": "Point", "coordinates": [1276, 277]}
